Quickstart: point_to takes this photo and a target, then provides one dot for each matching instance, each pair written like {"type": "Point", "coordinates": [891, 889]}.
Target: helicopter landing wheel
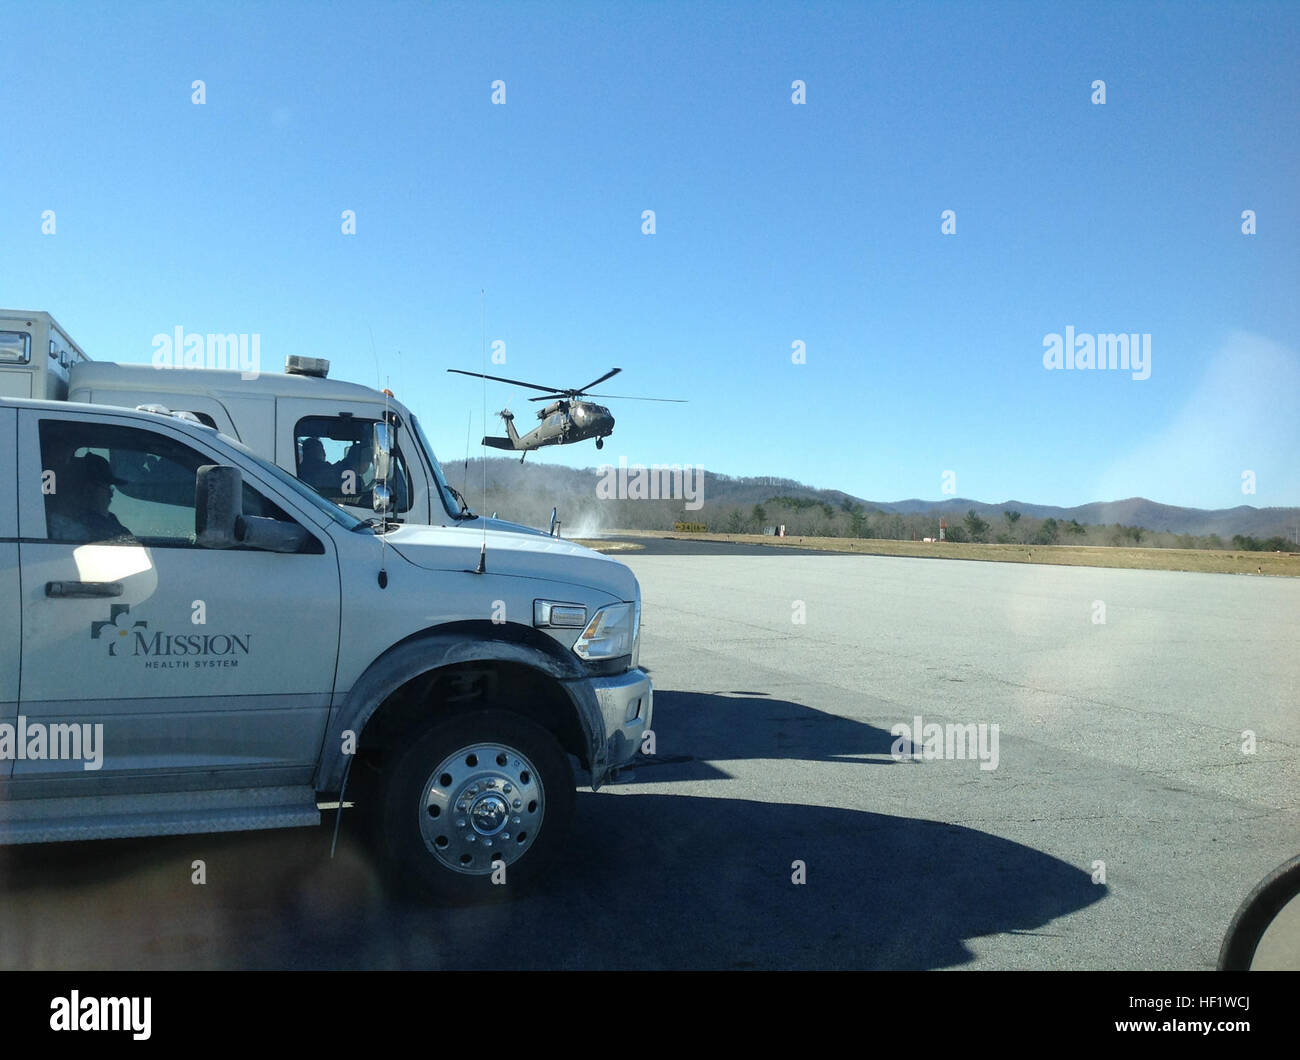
{"type": "Point", "coordinates": [600, 443]}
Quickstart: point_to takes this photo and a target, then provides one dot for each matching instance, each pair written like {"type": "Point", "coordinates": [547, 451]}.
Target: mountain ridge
{"type": "Point", "coordinates": [559, 485]}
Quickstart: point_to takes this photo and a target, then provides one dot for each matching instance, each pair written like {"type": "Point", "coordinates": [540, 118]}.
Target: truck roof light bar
{"type": "Point", "coordinates": [316, 367]}
{"type": "Point", "coordinates": [163, 410]}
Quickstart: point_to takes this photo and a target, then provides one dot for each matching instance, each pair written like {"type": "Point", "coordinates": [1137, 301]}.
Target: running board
{"type": "Point", "coordinates": [168, 813]}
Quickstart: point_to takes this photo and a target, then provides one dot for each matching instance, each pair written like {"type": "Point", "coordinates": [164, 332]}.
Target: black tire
{"type": "Point", "coordinates": [468, 794]}
{"type": "Point", "coordinates": [1269, 897]}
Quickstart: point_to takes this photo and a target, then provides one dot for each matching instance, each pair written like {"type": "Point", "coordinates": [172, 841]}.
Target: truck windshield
{"type": "Point", "coordinates": [448, 501]}
{"type": "Point", "coordinates": [303, 492]}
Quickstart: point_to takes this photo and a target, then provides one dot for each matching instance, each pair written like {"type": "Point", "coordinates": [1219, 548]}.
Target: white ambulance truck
{"type": "Point", "coordinates": [316, 428]}
{"type": "Point", "coordinates": [193, 640]}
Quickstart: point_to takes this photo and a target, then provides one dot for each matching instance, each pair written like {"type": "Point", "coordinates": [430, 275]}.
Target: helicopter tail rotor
{"type": "Point", "coordinates": [512, 435]}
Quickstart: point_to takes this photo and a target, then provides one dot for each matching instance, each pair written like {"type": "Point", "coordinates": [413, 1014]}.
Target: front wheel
{"type": "Point", "coordinates": [474, 807]}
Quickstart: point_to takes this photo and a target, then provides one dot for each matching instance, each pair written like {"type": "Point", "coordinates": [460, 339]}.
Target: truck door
{"type": "Point", "coordinates": [10, 614]}
{"type": "Point", "coordinates": [213, 663]}
{"type": "Point", "coordinates": [321, 441]}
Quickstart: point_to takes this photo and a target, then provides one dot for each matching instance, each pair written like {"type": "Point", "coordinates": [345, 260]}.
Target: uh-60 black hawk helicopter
{"type": "Point", "coordinates": [566, 419]}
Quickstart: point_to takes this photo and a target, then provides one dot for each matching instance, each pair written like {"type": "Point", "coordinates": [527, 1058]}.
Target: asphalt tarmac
{"type": "Point", "coordinates": [694, 546]}
{"type": "Point", "coordinates": [782, 824]}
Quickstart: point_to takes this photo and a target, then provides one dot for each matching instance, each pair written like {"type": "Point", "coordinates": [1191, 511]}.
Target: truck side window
{"type": "Point", "coordinates": [333, 456]}
{"type": "Point", "coordinates": [114, 484]}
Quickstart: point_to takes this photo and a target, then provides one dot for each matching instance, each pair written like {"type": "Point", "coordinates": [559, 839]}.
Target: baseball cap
{"type": "Point", "coordinates": [95, 470]}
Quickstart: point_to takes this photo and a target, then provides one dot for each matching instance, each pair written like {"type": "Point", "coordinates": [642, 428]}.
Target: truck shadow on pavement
{"type": "Point", "coordinates": [722, 726]}
{"type": "Point", "coordinates": [652, 879]}
{"type": "Point", "coordinates": [671, 881]}
{"type": "Point", "coordinates": [645, 881]}
{"type": "Point", "coordinates": [649, 878]}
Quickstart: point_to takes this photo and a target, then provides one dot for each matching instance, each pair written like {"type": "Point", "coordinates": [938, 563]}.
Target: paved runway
{"type": "Point", "coordinates": [1121, 741]}
{"type": "Point", "coordinates": [694, 546]}
{"type": "Point", "coordinates": [1118, 742]}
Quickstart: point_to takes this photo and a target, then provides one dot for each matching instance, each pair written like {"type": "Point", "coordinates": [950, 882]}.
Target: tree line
{"type": "Point", "coordinates": [523, 500]}
{"type": "Point", "coordinates": [808, 517]}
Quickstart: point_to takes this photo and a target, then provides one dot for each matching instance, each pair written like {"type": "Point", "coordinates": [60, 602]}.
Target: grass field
{"type": "Point", "coordinates": [1286, 564]}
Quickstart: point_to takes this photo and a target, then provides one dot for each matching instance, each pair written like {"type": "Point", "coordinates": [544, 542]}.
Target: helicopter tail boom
{"type": "Point", "coordinates": [512, 439]}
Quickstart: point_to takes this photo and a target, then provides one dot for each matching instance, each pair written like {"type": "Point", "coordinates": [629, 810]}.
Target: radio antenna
{"type": "Point", "coordinates": [378, 384]}
{"type": "Point", "coordinates": [482, 552]}
{"type": "Point", "coordinates": [383, 536]}
{"type": "Point", "coordinates": [469, 423]}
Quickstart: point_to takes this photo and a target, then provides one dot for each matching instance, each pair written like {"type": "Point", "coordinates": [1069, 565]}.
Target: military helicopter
{"type": "Point", "coordinates": [566, 419]}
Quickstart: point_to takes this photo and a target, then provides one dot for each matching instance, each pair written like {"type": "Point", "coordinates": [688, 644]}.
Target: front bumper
{"type": "Point", "coordinates": [627, 706]}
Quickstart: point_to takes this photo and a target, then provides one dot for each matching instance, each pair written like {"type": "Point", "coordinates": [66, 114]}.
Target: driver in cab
{"type": "Point", "coordinates": [82, 493]}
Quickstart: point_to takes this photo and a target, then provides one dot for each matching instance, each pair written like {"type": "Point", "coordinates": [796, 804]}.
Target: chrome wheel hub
{"type": "Point", "coordinates": [482, 804]}
{"type": "Point", "coordinates": [489, 814]}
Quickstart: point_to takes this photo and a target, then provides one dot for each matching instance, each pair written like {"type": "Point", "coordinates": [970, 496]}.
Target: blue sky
{"type": "Point", "coordinates": [775, 223]}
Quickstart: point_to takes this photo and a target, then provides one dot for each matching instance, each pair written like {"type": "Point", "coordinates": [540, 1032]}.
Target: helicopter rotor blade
{"type": "Point", "coordinates": [583, 389]}
{"type": "Point", "coordinates": [632, 397]}
{"type": "Point", "coordinates": [502, 379]}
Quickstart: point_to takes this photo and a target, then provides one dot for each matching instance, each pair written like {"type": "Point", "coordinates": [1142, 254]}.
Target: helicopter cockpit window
{"type": "Point", "coordinates": [334, 457]}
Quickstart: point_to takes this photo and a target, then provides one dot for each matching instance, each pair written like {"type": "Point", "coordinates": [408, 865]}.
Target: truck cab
{"type": "Point", "coordinates": [193, 640]}
{"type": "Point", "coordinates": [316, 428]}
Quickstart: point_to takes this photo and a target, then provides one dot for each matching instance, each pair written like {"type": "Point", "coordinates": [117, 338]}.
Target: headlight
{"type": "Point", "coordinates": [611, 633]}
{"type": "Point", "coordinates": [636, 629]}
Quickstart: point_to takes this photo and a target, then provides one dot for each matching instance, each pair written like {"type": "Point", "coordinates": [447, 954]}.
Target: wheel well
{"type": "Point", "coordinates": [462, 688]}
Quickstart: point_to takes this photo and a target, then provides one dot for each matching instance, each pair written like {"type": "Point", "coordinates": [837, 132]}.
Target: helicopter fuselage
{"type": "Point", "coordinates": [568, 421]}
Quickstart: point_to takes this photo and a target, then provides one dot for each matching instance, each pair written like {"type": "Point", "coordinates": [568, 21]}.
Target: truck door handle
{"type": "Point", "coordinates": [68, 590]}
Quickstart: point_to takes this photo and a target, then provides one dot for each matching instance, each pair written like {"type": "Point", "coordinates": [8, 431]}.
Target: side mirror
{"type": "Point", "coordinates": [220, 522]}
{"type": "Point", "coordinates": [383, 497]}
{"type": "Point", "coordinates": [382, 451]}
{"type": "Point", "coordinates": [270, 535]}
{"type": "Point", "coordinates": [218, 504]}
{"type": "Point", "coordinates": [1265, 933]}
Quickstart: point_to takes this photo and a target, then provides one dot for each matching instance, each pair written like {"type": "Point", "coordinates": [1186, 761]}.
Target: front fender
{"type": "Point", "coordinates": [439, 648]}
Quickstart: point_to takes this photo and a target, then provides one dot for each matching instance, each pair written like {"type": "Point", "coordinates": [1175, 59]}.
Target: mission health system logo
{"type": "Point", "coordinates": [179, 649]}
{"type": "Point", "coordinates": [115, 612]}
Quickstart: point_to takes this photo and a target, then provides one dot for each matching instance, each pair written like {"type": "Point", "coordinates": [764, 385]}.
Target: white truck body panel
{"type": "Point", "coordinates": [225, 681]}
{"type": "Point", "coordinates": [10, 634]}
{"type": "Point", "coordinates": [262, 412]}
{"type": "Point", "coordinates": [37, 366]}
{"type": "Point", "coordinates": [273, 413]}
